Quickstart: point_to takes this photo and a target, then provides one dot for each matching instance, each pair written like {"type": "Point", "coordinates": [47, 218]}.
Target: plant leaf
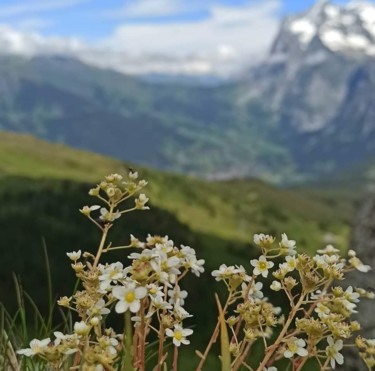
{"type": "Point", "coordinates": [224, 339]}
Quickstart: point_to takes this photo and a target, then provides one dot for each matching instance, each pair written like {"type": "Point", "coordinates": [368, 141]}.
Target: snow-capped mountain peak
{"type": "Point", "coordinates": [346, 28]}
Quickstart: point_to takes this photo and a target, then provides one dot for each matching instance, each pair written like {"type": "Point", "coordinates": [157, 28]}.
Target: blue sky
{"type": "Point", "coordinates": [147, 35]}
{"type": "Point", "coordinates": [95, 19]}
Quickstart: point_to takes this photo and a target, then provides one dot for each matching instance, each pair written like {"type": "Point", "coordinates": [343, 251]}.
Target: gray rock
{"type": "Point", "coordinates": [363, 242]}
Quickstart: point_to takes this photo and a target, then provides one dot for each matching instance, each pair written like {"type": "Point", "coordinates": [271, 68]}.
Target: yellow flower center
{"type": "Point", "coordinates": [262, 266]}
{"type": "Point", "coordinates": [130, 297]}
{"type": "Point", "coordinates": [293, 347]}
{"type": "Point", "coordinates": [178, 335]}
{"type": "Point", "coordinates": [113, 273]}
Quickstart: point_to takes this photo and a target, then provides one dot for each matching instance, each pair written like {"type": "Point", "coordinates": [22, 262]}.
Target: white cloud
{"type": "Point", "coordinates": [230, 38]}
{"type": "Point", "coordinates": [245, 31]}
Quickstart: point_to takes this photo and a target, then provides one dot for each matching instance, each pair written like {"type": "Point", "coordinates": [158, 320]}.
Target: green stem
{"type": "Point", "coordinates": [127, 362]}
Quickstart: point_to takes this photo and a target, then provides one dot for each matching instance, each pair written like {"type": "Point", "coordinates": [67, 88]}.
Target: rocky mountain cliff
{"type": "Point", "coordinates": [318, 80]}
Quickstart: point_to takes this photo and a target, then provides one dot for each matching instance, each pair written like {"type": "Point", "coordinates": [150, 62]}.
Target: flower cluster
{"type": "Point", "coordinates": [148, 295]}
{"type": "Point", "coordinates": [147, 291]}
{"type": "Point", "coordinates": [318, 322]}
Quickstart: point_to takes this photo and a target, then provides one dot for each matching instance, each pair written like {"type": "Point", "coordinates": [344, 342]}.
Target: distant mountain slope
{"type": "Point", "coordinates": [191, 129]}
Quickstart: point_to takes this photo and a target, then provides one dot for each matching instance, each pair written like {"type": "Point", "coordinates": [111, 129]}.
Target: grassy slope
{"type": "Point", "coordinates": [232, 210]}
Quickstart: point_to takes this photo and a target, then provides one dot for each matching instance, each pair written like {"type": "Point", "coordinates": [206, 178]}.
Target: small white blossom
{"type": "Point", "coordinates": [349, 298]}
{"type": "Point", "coordinates": [179, 335]}
{"type": "Point", "coordinates": [86, 210]}
{"type": "Point", "coordinates": [134, 242]}
{"type": "Point", "coordinates": [261, 266]}
{"type": "Point", "coordinates": [288, 245]}
{"type": "Point", "coordinates": [176, 292]}
{"type": "Point", "coordinates": [295, 346]}
{"type": "Point", "coordinates": [224, 272]}
{"type": "Point", "coordinates": [141, 201]}
{"type": "Point", "coordinates": [159, 303]}
{"type": "Point", "coordinates": [106, 216]}
{"type": "Point", "coordinates": [329, 250]}
{"type": "Point", "coordinates": [322, 310]}
{"type": "Point", "coordinates": [255, 291]}
{"type": "Point", "coordinates": [36, 347]}
{"type": "Point", "coordinates": [112, 273]}
{"type": "Point", "coordinates": [275, 286]}
{"type": "Point", "coordinates": [81, 328]}
{"type": "Point", "coordinates": [74, 255]}
{"type": "Point", "coordinates": [290, 265]}
{"type": "Point", "coordinates": [333, 351]}
{"type": "Point", "coordinates": [98, 309]}
{"type": "Point", "coordinates": [263, 240]}
{"type": "Point", "coordinates": [129, 297]}
{"type": "Point", "coordinates": [357, 264]}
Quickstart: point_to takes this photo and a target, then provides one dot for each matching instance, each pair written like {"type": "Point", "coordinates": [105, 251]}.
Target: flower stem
{"type": "Point", "coordinates": [127, 362]}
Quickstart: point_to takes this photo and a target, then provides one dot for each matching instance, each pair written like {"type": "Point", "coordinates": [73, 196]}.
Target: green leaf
{"type": "Point", "coordinates": [224, 339]}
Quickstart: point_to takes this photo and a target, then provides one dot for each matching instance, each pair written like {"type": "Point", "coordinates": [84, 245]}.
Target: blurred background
{"type": "Point", "coordinates": [245, 116]}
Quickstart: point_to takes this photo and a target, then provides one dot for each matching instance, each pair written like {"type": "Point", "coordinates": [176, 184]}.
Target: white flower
{"type": "Point", "coordinates": [134, 242]}
{"type": "Point", "coordinates": [191, 260]}
{"type": "Point", "coordinates": [357, 264]}
{"type": "Point", "coordinates": [36, 347]}
{"type": "Point", "coordinates": [160, 303]}
{"type": "Point", "coordinates": [180, 312]}
{"type": "Point", "coordinates": [275, 286]}
{"type": "Point", "coordinates": [273, 368]}
{"type": "Point", "coordinates": [263, 240]}
{"type": "Point", "coordinates": [289, 246]}
{"type": "Point", "coordinates": [86, 210]}
{"type": "Point", "coordinates": [179, 335]}
{"type": "Point", "coordinates": [141, 201]}
{"type": "Point", "coordinates": [261, 266]}
{"type": "Point", "coordinates": [152, 240]}
{"type": "Point", "coordinates": [329, 250]}
{"type": "Point", "coordinates": [98, 309]}
{"type": "Point", "coordinates": [81, 328]}
{"type": "Point", "coordinates": [255, 291]}
{"type": "Point", "coordinates": [74, 255]}
{"type": "Point", "coordinates": [290, 265]}
{"type": "Point", "coordinates": [333, 351]}
{"type": "Point", "coordinates": [106, 216]}
{"type": "Point", "coordinates": [112, 273]}
{"type": "Point", "coordinates": [295, 346]}
{"type": "Point", "coordinates": [71, 342]}
{"type": "Point", "coordinates": [154, 290]}
{"type": "Point", "coordinates": [322, 310]}
{"type": "Point", "coordinates": [349, 298]}
{"type": "Point", "coordinates": [177, 293]}
{"type": "Point", "coordinates": [129, 297]}
{"type": "Point", "coordinates": [224, 272]}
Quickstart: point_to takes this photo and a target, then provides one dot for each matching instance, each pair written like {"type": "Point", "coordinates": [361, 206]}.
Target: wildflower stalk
{"type": "Point", "coordinates": [127, 364]}
{"type": "Point", "coordinates": [161, 347]}
{"type": "Point", "coordinates": [175, 358]}
{"type": "Point", "coordinates": [102, 243]}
